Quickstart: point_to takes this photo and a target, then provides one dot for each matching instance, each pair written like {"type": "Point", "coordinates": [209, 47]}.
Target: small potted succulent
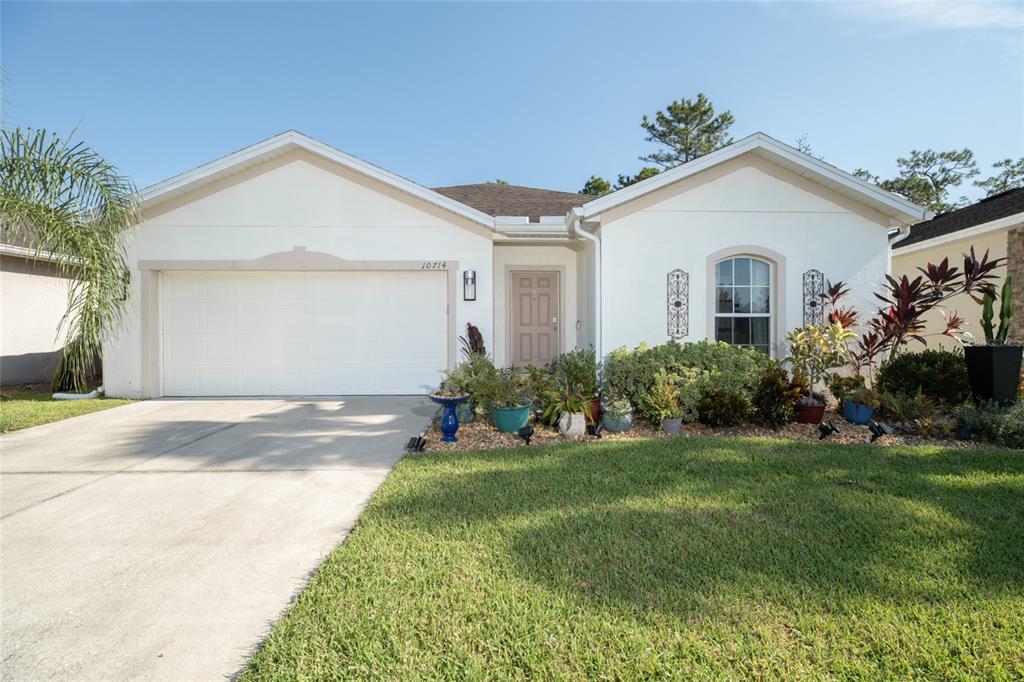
{"type": "Point", "coordinates": [617, 414]}
{"type": "Point", "coordinates": [993, 369]}
{"type": "Point", "coordinates": [814, 350]}
{"type": "Point", "coordinates": [662, 403]}
{"type": "Point", "coordinates": [567, 407]}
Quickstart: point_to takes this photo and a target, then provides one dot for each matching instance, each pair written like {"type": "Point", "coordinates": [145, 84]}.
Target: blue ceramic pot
{"type": "Point", "coordinates": [449, 420]}
{"type": "Point", "coordinates": [857, 413]}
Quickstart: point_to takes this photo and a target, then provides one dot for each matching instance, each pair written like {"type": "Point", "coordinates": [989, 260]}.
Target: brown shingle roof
{"type": "Point", "coordinates": [988, 209]}
{"type": "Point", "coordinates": [511, 200]}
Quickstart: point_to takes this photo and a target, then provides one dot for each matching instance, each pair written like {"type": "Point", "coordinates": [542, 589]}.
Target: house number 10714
{"type": "Point", "coordinates": [434, 265]}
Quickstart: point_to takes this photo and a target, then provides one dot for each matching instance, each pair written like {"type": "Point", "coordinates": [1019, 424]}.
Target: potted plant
{"type": "Point", "coordinates": [858, 401]}
{"type": "Point", "coordinates": [579, 368]}
{"type": "Point", "coordinates": [567, 406]}
{"type": "Point", "coordinates": [501, 392]}
{"type": "Point", "coordinates": [860, 405]}
{"type": "Point", "coordinates": [467, 378]}
{"type": "Point", "coordinates": [993, 369]}
{"type": "Point", "coordinates": [617, 414]}
{"type": "Point", "coordinates": [813, 351]}
{"type": "Point", "coordinates": [662, 403]}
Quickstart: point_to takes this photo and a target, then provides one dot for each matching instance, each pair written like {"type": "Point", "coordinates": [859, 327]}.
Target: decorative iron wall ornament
{"type": "Point", "coordinates": [678, 304]}
{"type": "Point", "coordinates": [814, 287]}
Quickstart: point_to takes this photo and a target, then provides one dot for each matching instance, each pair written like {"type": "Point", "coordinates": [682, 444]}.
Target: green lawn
{"type": "Point", "coordinates": [21, 409]}
{"type": "Point", "coordinates": [677, 558]}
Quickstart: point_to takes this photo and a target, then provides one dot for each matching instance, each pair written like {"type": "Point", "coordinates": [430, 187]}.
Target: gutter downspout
{"type": "Point", "coordinates": [576, 227]}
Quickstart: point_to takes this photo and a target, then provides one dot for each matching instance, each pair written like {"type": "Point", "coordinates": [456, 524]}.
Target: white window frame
{"type": "Point", "coordinates": [776, 293]}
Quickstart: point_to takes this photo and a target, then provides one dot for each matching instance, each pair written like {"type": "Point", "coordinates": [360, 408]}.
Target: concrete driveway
{"type": "Point", "coordinates": [160, 540]}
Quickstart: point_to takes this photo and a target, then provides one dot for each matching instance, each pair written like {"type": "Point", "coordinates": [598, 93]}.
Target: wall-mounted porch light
{"type": "Point", "coordinates": [469, 285]}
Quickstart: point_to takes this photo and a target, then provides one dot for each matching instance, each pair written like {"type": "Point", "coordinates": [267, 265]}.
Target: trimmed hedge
{"type": "Point", "coordinates": [936, 374]}
{"type": "Point", "coordinates": [632, 373]}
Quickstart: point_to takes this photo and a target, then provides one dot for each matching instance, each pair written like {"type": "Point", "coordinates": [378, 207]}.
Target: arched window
{"type": "Point", "coordinates": [743, 302]}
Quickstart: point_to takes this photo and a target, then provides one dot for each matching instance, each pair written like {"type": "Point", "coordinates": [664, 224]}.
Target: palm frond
{"type": "Point", "coordinates": [63, 201]}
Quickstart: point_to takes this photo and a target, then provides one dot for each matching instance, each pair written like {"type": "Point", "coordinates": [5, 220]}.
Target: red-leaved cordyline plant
{"type": "Point", "coordinates": [906, 302]}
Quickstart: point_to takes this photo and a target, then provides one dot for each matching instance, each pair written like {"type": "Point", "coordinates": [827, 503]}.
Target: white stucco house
{"type": "Point", "coordinates": [292, 268]}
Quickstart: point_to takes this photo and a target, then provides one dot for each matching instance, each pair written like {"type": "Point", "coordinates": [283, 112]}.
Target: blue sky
{"type": "Point", "coordinates": [537, 94]}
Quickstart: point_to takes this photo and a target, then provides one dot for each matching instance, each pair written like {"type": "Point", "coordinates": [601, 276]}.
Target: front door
{"type": "Point", "coordinates": [535, 317]}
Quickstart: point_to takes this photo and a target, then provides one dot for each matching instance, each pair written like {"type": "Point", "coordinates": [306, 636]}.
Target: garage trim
{"type": "Point", "coordinates": [296, 260]}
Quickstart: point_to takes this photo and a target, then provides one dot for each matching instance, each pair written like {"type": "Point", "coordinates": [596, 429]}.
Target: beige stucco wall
{"type": "Point", "coordinates": [34, 299]}
{"type": "Point", "coordinates": [509, 257]}
{"type": "Point", "coordinates": [907, 262]}
{"type": "Point", "coordinates": [745, 206]}
{"type": "Point", "coordinates": [296, 200]}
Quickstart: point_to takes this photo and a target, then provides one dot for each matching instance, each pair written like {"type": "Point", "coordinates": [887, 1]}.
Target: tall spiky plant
{"type": "Point", "coordinates": [63, 202]}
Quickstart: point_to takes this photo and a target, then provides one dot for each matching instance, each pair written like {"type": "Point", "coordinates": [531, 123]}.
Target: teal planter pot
{"type": "Point", "coordinates": [511, 419]}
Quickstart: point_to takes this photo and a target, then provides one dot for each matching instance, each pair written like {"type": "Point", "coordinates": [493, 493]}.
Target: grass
{"type": "Point", "coordinates": [23, 407]}
{"type": "Point", "coordinates": [673, 558]}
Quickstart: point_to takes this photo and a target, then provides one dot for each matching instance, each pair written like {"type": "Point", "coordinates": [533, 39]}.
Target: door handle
{"type": "Point", "coordinates": [554, 324]}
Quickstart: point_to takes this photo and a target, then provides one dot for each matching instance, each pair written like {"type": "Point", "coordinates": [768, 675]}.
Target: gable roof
{"type": "Point", "coordinates": [498, 199]}
{"type": "Point", "coordinates": [988, 209]}
{"type": "Point", "coordinates": [282, 144]}
{"type": "Point", "coordinates": [896, 207]}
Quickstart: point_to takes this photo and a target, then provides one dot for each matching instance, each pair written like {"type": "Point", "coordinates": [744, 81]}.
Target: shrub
{"type": "Point", "coordinates": [985, 419]}
{"type": "Point", "coordinates": [775, 396]}
{"type": "Point", "coordinates": [662, 401]}
{"type": "Point", "coordinates": [539, 383]}
{"type": "Point", "coordinates": [578, 368]}
{"type": "Point", "coordinates": [1011, 431]}
{"type": "Point", "coordinates": [631, 372]}
{"type": "Point", "coordinates": [938, 374]}
{"type": "Point", "coordinates": [938, 427]}
{"type": "Point", "coordinates": [906, 408]}
{"type": "Point", "coordinates": [843, 387]}
{"type": "Point", "coordinates": [720, 406]}
{"type": "Point", "coordinates": [501, 388]}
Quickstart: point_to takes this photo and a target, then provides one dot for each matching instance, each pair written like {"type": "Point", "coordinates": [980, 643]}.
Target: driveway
{"type": "Point", "coordinates": [161, 539]}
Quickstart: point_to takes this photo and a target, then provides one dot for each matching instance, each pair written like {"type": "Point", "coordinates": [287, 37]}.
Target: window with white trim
{"type": "Point", "coordinates": [743, 300]}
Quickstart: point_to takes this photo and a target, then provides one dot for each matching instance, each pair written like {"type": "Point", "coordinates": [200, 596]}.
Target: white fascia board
{"type": "Point", "coordinates": [28, 254]}
{"type": "Point", "coordinates": [904, 209]}
{"type": "Point", "coordinates": [533, 228]}
{"type": "Point", "coordinates": [1004, 223]}
{"type": "Point", "coordinates": [292, 139]}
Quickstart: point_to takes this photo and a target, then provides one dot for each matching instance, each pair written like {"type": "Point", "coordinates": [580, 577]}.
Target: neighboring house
{"type": "Point", "coordinates": [34, 300]}
{"type": "Point", "coordinates": [994, 224]}
{"type": "Point", "coordinates": [290, 267]}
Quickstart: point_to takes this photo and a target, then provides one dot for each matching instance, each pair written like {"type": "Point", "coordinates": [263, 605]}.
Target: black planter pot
{"type": "Point", "coordinates": [994, 372]}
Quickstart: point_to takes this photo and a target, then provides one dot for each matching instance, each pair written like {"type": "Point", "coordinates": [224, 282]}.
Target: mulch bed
{"type": "Point", "coordinates": [481, 435]}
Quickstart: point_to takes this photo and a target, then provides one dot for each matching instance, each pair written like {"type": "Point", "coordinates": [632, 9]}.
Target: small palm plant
{"type": "Point", "coordinates": [63, 202]}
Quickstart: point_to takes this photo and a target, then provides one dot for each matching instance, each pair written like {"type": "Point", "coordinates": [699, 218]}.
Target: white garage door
{"type": "Point", "coordinates": [303, 333]}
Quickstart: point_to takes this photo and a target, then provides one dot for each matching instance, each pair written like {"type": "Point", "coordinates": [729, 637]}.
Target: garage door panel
{"type": "Point", "coordinates": [263, 333]}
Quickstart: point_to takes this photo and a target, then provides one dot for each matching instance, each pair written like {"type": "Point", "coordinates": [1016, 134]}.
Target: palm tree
{"type": "Point", "coordinates": [64, 203]}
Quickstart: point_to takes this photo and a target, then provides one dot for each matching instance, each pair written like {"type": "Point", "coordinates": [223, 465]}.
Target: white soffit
{"type": "Point", "coordinates": [897, 208]}
{"type": "Point", "coordinates": [287, 142]}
